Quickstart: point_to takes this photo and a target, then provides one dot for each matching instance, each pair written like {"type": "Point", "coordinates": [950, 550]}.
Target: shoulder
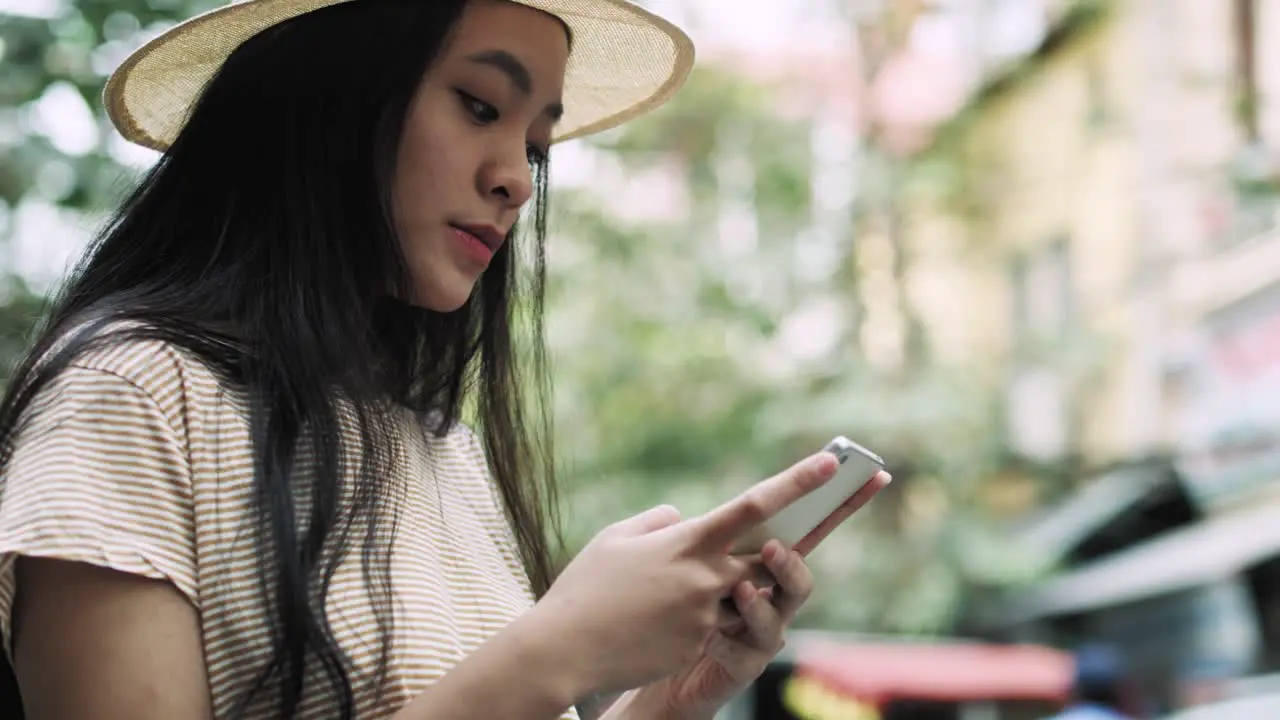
{"type": "Point", "coordinates": [99, 468]}
{"type": "Point", "coordinates": [124, 401]}
{"type": "Point", "coordinates": [157, 367]}
{"type": "Point", "coordinates": [112, 369]}
{"type": "Point", "coordinates": [133, 404]}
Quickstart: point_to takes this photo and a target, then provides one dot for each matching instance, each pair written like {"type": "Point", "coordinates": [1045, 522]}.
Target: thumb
{"type": "Point", "coordinates": [650, 520]}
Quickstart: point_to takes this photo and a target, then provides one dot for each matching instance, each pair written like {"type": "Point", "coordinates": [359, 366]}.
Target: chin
{"type": "Point", "coordinates": [443, 301]}
{"type": "Point", "coordinates": [448, 307]}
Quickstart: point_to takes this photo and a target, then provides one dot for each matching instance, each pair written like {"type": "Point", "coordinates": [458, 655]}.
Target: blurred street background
{"type": "Point", "coordinates": [1026, 250]}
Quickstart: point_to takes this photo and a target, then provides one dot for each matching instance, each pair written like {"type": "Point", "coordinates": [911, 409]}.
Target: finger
{"type": "Point", "coordinates": [716, 530]}
{"type": "Point", "coordinates": [795, 581]}
{"type": "Point", "coordinates": [842, 513]}
{"type": "Point", "coordinates": [738, 570]}
{"type": "Point", "coordinates": [733, 570]}
{"type": "Point", "coordinates": [729, 620]}
{"type": "Point", "coordinates": [650, 520]}
{"type": "Point", "coordinates": [762, 623]}
{"type": "Point", "coordinates": [757, 574]}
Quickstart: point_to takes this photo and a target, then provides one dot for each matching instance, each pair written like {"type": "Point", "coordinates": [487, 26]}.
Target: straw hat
{"type": "Point", "coordinates": [625, 62]}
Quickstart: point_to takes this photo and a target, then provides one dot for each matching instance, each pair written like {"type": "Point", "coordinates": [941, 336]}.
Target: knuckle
{"type": "Point", "coordinates": [804, 580]}
{"type": "Point", "coordinates": [798, 574]}
{"type": "Point", "coordinates": [732, 570]}
{"type": "Point", "coordinates": [805, 587]}
{"type": "Point", "coordinates": [709, 584]}
{"type": "Point", "coordinates": [753, 505]}
{"type": "Point", "coordinates": [796, 579]}
{"type": "Point", "coordinates": [606, 542]}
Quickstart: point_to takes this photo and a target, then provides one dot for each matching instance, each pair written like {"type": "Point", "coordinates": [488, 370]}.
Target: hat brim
{"type": "Point", "coordinates": [625, 61]}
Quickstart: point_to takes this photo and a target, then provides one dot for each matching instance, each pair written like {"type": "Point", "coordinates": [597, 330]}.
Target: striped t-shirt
{"type": "Point", "coordinates": [138, 458]}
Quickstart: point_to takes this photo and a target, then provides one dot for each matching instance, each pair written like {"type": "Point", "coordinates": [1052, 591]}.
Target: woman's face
{"type": "Point", "coordinates": [484, 112]}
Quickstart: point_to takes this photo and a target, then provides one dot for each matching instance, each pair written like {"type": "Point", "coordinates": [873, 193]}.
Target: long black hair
{"type": "Point", "coordinates": [263, 243]}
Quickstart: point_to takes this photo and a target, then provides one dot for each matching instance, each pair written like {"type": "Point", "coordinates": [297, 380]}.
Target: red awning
{"type": "Point", "coordinates": [956, 673]}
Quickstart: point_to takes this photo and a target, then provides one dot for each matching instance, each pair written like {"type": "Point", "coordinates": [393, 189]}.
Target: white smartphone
{"type": "Point", "coordinates": [857, 466]}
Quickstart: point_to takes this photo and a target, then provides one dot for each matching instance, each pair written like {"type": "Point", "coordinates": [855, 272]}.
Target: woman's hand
{"type": "Point", "coordinates": [738, 653]}
{"type": "Point", "coordinates": [639, 603]}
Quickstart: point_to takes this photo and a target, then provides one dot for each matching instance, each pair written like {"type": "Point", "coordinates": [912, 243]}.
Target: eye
{"type": "Point", "coordinates": [481, 112]}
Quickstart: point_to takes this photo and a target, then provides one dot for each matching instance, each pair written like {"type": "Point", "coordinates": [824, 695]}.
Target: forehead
{"type": "Point", "coordinates": [538, 40]}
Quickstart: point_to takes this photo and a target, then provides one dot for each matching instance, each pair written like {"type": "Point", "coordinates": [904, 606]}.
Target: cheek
{"type": "Point", "coordinates": [430, 173]}
{"type": "Point", "coordinates": [415, 190]}
{"type": "Point", "coordinates": [432, 188]}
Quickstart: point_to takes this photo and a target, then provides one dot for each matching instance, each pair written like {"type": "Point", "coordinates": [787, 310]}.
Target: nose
{"type": "Point", "coordinates": [506, 175]}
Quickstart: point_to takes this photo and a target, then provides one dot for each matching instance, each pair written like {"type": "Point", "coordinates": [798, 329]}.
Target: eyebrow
{"type": "Point", "coordinates": [517, 73]}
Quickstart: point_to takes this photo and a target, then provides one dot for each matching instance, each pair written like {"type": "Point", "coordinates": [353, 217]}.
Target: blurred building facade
{"type": "Point", "coordinates": [1099, 224]}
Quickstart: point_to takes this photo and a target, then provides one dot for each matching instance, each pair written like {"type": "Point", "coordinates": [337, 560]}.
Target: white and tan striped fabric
{"type": "Point", "coordinates": [138, 459]}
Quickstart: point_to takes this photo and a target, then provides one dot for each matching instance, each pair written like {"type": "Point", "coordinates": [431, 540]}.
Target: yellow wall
{"type": "Point", "coordinates": [1033, 164]}
{"type": "Point", "coordinates": [1040, 171]}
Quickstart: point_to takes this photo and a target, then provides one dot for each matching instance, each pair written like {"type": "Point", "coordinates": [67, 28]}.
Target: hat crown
{"type": "Point", "coordinates": [625, 62]}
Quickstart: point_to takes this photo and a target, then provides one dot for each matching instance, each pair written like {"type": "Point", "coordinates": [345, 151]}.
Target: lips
{"type": "Point", "coordinates": [487, 234]}
{"type": "Point", "coordinates": [473, 247]}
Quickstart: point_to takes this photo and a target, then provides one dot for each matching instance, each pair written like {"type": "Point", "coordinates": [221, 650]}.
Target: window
{"type": "Point", "coordinates": [1042, 293]}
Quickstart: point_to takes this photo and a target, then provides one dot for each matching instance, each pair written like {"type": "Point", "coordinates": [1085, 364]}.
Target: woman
{"type": "Point", "coordinates": [236, 481]}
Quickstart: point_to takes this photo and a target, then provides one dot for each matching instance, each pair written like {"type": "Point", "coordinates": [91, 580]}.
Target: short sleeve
{"type": "Point", "coordinates": [99, 474]}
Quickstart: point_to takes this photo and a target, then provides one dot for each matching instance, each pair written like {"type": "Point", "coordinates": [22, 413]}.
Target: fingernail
{"type": "Point", "coordinates": [777, 555]}
{"type": "Point", "coordinates": [826, 463]}
{"type": "Point", "coordinates": [668, 511]}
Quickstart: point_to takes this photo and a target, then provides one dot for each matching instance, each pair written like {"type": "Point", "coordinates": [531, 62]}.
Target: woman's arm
{"type": "Point", "coordinates": [95, 643]}
{"type": "Point", "coordinates": [521, 672]}
{"type": "Point", "coordinates": [643, 704]}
